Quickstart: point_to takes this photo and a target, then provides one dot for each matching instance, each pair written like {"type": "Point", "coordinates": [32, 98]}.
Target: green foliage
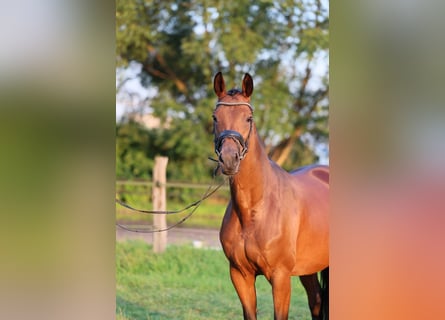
{"type": "Point", "coordinates": [132, 145]}
{"type": "Point", "coordinates": [186, 283]}
{"type": "Point", "coordinates": [136, 147]}
{"type": "Point", "coordinates": [180, 45]}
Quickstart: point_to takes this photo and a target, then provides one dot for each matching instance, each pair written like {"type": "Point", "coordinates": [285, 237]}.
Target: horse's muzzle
{"type": "Point", "coordinates": [229, 157]}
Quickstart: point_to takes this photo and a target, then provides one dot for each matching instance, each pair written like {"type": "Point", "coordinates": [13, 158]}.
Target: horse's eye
{"type": "Point", "coordinates": [214, 119]}
{"type": "Point", "coordinates": [250, 119]}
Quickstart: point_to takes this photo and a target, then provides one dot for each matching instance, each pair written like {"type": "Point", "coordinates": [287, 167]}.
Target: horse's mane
{"type": "Point", "coordinates": [233, 91]}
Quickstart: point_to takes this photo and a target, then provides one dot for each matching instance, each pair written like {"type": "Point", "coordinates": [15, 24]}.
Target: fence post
{"type": "Point", "coordinates": [160, 203]}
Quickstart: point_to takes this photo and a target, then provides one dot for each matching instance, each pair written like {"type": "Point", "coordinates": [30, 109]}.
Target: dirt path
{"type": "Point", "coordinates": [197, 237]}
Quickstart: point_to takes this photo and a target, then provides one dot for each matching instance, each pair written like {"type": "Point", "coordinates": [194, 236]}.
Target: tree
{"type": "Point", "coordinates": [181, 44]}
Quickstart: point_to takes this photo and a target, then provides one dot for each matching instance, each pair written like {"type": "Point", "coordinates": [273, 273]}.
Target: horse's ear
{"type": "Point", "coordinates": [219, 86]}
{"type": "Point", "coordinates": [247, 85]}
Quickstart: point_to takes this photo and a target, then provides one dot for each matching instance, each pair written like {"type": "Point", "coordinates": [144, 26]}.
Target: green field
{"type": "Point", "coordinates": [186, 283]}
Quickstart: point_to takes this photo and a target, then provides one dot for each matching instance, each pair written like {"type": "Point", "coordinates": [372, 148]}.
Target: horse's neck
{"type": "Point", "coordinates": [248, 185]}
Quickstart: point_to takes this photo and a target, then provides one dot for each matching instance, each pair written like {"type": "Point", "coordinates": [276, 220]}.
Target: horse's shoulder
{"type": "Point", "coordinates": [230, 225]}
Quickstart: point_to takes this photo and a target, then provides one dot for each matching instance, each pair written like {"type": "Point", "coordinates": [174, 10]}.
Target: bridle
{"type": "Point", "coordinates": [234, 135]}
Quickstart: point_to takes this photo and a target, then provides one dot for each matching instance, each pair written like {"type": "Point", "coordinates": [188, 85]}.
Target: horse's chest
{"type": "Point", "coordinates": [252, 245]}
{"type": "Point", "coordinates": [249, 253]}
{"type": "Point", "coordinates": [254, 252]}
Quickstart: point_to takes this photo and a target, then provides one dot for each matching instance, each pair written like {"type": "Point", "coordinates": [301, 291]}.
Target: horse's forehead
{"type": "Point", "coordinates": [232, 99]}
{"type": "Point", "coordinates": [232, 111]}
{"type": "Point", "coordinates": [235, 104]}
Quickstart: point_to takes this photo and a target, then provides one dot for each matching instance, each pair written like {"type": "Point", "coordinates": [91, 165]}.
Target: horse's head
{"type": "Point", "coordinates": [233, 122]}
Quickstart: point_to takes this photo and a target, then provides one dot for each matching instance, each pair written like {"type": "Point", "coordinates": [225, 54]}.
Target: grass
{"type": "Point", "coordinates": [186, 283]}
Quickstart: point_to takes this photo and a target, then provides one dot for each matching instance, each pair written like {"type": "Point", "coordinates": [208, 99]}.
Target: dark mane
{"type": "Point", "coordinates": [233, 92]}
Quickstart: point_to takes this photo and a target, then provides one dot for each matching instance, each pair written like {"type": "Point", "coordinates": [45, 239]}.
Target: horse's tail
{"type": "Point", "coordinates": [325, 294]}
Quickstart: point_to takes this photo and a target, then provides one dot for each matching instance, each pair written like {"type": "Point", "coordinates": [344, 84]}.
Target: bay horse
{"type": "Point", "coordinates": [276, 223]}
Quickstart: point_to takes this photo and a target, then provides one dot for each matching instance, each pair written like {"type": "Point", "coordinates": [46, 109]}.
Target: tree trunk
{"type": "Point", "coordinates": [281, 152]}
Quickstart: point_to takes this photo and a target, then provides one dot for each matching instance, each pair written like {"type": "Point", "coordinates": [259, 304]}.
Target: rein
{"type": "Point", "coordinates": [195, 204]}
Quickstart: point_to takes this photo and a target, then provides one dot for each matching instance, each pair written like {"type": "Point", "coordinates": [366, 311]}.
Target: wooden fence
{"type": "Point", "coordinates": [154, 193]}
{"type": "Point", "coordinates": [160, 204]}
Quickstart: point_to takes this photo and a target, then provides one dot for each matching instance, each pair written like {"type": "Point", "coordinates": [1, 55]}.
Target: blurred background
{"type": "Point", "coordinates": [71, 76]}
{"type": "Point", "coordinates": [167, 54]}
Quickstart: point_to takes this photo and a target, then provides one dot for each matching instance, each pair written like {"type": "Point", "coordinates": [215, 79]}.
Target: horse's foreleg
{"type": "Point", "coordinates": [281, 290]}
{"type": "Point", "coordinates": [244, 284]}
{"type": "Point", "coordinates": [313, 290]}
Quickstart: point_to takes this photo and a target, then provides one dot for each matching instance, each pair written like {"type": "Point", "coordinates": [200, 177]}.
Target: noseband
{"type": "Point", "coordinates": [235, 135]}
